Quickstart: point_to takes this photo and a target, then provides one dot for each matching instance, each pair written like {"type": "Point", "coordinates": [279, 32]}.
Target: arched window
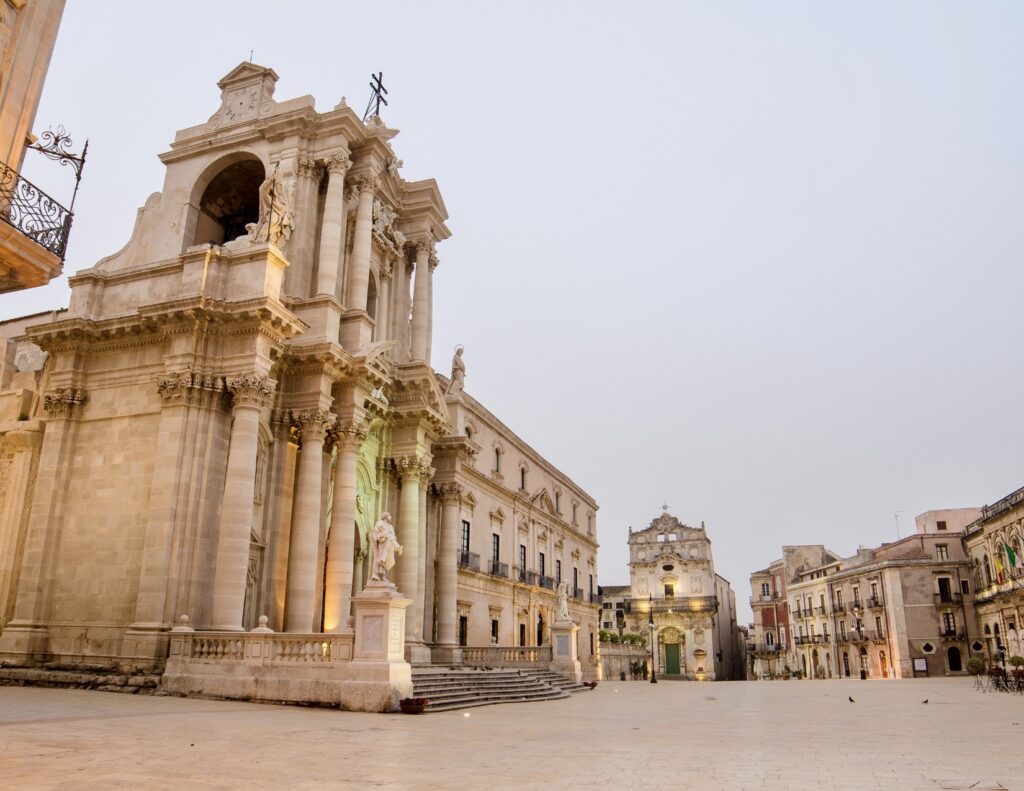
{"type": "Point", "coordinates": [769, 639]}
{"type": "Point", "coordinates": [229, 202]}
{"type": "Point", "coordinates": [497, 460]}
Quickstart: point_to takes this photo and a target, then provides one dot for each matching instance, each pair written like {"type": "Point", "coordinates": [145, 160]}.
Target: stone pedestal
{"type": "Point", "coordinates": [355, 330]}
{"type": "Point", "coordinates": [564, 656]}
{"type": "Point", "coordinates": [380, 676]}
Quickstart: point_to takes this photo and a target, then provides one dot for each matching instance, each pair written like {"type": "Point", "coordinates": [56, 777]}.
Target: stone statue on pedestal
{"type": "Point", "coordinates": [458, 378]}
{"type": "Point", "coordinates": [276, 219]}
{"type": "Point", "coordinates": [383, 546]}
{"type": "Point", "coordinates": [563, 602]}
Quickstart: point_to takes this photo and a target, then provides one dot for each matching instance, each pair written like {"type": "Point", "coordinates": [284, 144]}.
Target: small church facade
{"type": "Point", "coordinates": [194, 453]}
{"type": "Point", "coordinates": [675, 595]}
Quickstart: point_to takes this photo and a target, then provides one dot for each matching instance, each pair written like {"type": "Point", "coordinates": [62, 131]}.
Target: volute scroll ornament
{"type": "Point", "coordinates": [250, 391]}
{"type": "Point", "coordinates": [63, 402]}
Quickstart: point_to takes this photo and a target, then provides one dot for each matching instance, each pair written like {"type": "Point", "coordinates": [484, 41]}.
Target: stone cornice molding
{"type": "Point", "coordinates": [251, 392]}
{"type": "Point", "coordinates": [64, 402]}
{"type": "Point", "coordinates": [312, 424]}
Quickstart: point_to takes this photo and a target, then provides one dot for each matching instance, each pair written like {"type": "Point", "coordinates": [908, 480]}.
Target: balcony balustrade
{"type": "Point", "coordinates": [469, 560]}
{"type": "Point", "coordinates": [949, 599]}
{"type": "Point", "coordinates": [873, 603]}
{"type": "Point", "coordinates": [499, 569]}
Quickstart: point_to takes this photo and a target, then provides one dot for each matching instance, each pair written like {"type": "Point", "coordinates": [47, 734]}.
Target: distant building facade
{"type": "Point", "coordinates": [994, 543]}
{"type": "Point", "coordinates": [894, 611]}
{"type": "Point", "coordinates": [673, 583]}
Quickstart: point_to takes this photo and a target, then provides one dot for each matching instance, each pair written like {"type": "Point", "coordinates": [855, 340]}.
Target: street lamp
{"type": "Point", "coordinates": [654, 645]}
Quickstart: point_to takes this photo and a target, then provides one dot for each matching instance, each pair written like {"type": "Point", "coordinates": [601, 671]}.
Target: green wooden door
{"type": "Point", "coordinates": [672, 659]}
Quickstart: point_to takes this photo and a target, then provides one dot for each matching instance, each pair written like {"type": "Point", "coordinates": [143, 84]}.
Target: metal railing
{"type": "Point", "coordinates": [547, 582]}
{"type": "Point", "coordinates": [873, 602]}
{"type": "Point", "coordinates": [499, 569]}
{"type": "Point", "coordinates": [529, 577]}
{"type": "Point", "coordinates": [951, 634]}
{"type": "Point", "coordinates": [948, 599]}
{"type": "Point", "coordinates": [469, 560]}
{"type": "Point", "coordinates": [33, 212]}
{"type": "Point", "coordinates": [838, 607]}
{"type": "Point", "coordinates": [577, 593]}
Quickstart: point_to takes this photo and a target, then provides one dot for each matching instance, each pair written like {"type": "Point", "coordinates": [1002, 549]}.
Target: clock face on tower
{"type": "Point", "coordinates": [241, 104]}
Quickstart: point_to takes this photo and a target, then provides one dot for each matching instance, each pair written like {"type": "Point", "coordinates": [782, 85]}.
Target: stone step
{"type": "Point", "coordinates": [101, 678]}
{"type": "Point", "coordinates": [448, 689]}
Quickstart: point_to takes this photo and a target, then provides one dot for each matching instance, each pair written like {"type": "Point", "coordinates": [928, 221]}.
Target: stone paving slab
{"type": "Point", "coordinates": [623, 735]}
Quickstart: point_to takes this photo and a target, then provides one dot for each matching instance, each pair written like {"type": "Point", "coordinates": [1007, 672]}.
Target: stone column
{"type": "Point", "coordinates": [409, 470]}
{"type": "Point", "coordinates": [359, 266]}
{"type": "Point", "coordinates": [447, 566]}
{"type": "Point", "coordinates": [419, 600]}
{"type": "Point", "coordinates": [341, 538]}
{"type": "Point", "coordinates": [430, 303]}
{"type": "Point", "coordinates": [421, 301]}
{"type": "Point", "coordinates": [250, 394]}
{"type": "Point", "coordinates": [302, 555]}
{"type": "Point", "coordinates": [332, 232]}
{"type": "Point", "coordinates": [384, 302]}
{"type": "Point", "coordinates": [24, 445]}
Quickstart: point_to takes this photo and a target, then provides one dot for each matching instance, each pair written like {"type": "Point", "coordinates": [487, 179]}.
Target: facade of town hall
{"type": "Point", "coordinates": [195, 451]}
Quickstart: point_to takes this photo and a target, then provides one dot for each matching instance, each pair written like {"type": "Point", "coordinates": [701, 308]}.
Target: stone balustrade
{"type": "Point", "coordinates": [259, 648]}
{"type": "Point", "coordinates": [507, 656]}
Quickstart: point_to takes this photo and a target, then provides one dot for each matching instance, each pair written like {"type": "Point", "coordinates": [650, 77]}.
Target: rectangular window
{"type": "Point", "coordinates": [575, 578]}
{"type": "Point", "coordinates": [522, 557]}
{"type": "Point", "coordinates": [590, 585]}
{"type": "Point", "coordinates": [607, 605]}
{"type": "Point", "coordinates": [782, 635]}
{"type": "Point", "coordinates": [495, 548]}
{"type": "Point", "coordinates": [878, 626]}
{"type": "Point", "coordinates": [842, 628]}
{"type": "Point", "coordinates": [964, 587]}
{"type": "Point", "coordinates": [542, 569]}
{"type": "Point", "coordinates": [558, 570]}
{"type": "Point", "coordinates": [874, 590]}
{"type": "Point", "coordinates": [839, 597]}
{"type": "Point", "coordinates": [463, 630]}
{"type": "Point", "coordinates": [856, 596]}
{"type": "Point", "coordinates": [765, 589]}
{"type": "Point", "coordinates": [574, 513]}
{"type": "Point", "coordinates": [670, 591]}
{"type": "Point", "coordinates": [940, 525]}
{"type": "Point", "coordinates": [942, 551]}
{"type": "Point", "coordinates": [497, 460]}
{"type": "Point", "coordinates": [494, 630]}
{"type": "Point", "coordinates": [464, 541]}
{"type": "Point", "coordinates": [949, 622]}
{"type": "Point", "coordinates": [945, 591]}
{"type": "Point", "coordinates": [522, 634]}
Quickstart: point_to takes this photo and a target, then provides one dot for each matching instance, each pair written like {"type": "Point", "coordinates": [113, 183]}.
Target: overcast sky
{"type": "Point", "coordinates": [758, 261]}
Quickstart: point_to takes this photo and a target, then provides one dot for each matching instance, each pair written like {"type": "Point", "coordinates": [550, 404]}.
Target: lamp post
{"type": "Point", "coordinates": [654, 644]}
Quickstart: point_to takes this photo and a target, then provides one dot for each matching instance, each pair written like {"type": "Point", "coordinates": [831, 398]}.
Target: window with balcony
{"type": "Point", "coordinates": [464, 538]}
{"type": "Point", "coordinates": [670, 591]}
{"type": "Point", "coordinates": [495, 548]}
{"type": "Point", "coordinates": [558, 570]}
{"type": "Point", "coordinates": [542, 568]}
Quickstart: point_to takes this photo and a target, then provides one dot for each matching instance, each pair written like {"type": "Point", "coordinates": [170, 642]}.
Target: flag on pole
{"type": "Point", "coordinates": [1013, 558]}
{"type": "Point", "coordinates": [1000, 570]}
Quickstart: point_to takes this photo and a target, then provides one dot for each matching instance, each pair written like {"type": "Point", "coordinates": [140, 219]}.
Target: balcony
{"type": "Point", "coordinates": [678, 604]}
{"type": "Point", "coordinates": [951, 634]}
{"type": "Point", "coordinates": [595, 598]}
{"type": "Point", "coordinates": [949, 599]}
{"type": "Point", "coordinates": [469, 560]}
{"type": "Point", "coordinates": [529, 577]}
{"type": "Point", "coordinates": [764, 648]}
{"type": "Point", "coordinates": [576, 593]}
{"type": "Point", "coordinates": [546, 582]}
{"type": "Point", "coordinates": [499, 569]}
{"type": "Point", "coordinates": [873, 603]}
{"type": "Point", "coordinates": [819, 611]}
{"type": "Point", "coordinates": [838, 608]}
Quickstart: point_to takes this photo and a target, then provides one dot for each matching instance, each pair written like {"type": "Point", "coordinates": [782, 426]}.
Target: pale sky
{"type": "Point", "coordinates": [758, 261]}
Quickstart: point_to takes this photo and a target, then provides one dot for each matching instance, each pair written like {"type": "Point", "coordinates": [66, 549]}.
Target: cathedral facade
{"type": "Point", "coordinates": [195, 452]}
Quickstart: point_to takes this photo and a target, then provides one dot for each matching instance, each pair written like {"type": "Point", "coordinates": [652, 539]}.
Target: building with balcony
{"type": "Point", "coordinates": [673, 585]}
{"type": "Point", "coordinates": [34, 226]}
{"type": "Point", "coordinates": [195, 452]}
{"type": "Point", "coordinates": [901, 609]}
{"type": "Point", "coordinates": [994, 542]}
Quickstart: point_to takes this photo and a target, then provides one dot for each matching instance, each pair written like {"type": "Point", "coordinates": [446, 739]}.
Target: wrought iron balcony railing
{"type": "Point", "coordinates": [948, 599]}
{"type": "Point", "coordinates": [499, 569]}
{"type": "Point", "coordinates": [33, 212]}
{"type": "Point", "coordinates": [469, 560]}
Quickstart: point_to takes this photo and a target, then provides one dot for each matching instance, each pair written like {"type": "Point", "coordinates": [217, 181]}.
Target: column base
{"type": "Point", "coordinates": [446, 655]}
{"type": "Point", "coordinates": [24, 644]}
{"type": "Point", "coordinates": [149, 643]}
{"type": "Point", "coordinates": [356, 330]}
{"type": "Point", "coordinates": [417, 653]}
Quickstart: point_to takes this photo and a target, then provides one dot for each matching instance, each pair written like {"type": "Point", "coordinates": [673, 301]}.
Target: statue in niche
{"type": "Point", "coordinates": [563, 602]}
{"type": "Point", "coordinates": [383, 546]}
{"type": "Point", "coordinates": [458, 379]}
{"type": "Point", "coordinates": [276, 219]}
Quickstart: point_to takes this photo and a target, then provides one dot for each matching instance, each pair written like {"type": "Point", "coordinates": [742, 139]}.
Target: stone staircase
{"type": "Point", "coordinates": [451, 688]}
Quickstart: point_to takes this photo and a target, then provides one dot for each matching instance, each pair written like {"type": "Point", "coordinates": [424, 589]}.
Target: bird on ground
{"type": "Point", "coordinates": [925, 700]}
{"type": "Point", "coordinates": [851, 699]}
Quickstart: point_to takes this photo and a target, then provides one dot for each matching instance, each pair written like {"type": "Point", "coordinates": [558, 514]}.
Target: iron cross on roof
{"type": "Point", "coordinates": [664, 508]}
{"type": "Point", "coordinates": [378, 92]}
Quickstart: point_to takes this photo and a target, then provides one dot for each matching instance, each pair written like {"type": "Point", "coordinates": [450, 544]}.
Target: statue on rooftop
{"type": "Point", "coordinates": [458, 378]}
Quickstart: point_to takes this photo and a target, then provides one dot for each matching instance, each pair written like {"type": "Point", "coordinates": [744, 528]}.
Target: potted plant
{"type": "Point", "coordinates": [1018, 665]}
{"type": "Point", "coordinates": [975, 666]}
{"type": "Point", "coordinates": [413, 705]}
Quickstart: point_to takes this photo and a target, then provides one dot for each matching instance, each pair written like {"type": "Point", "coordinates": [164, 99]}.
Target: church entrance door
{"type": "Point", "coordinates": [672, 659]}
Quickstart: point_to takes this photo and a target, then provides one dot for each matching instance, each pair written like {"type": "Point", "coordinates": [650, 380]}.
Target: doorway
{"type": "Point", "coordinates": [540, 629]}
{"type": "Point", "coordinates": [672, 659]}
{"type": "Point", "coordinates": [955, 662]}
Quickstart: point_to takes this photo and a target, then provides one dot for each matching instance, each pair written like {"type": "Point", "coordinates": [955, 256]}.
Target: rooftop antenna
{"type": "Point", "coordinates": [377, 94]}
{"type": "Point", "coordinates": [250, 55]}
{"type": "Point", "coordinates": [896, 516]}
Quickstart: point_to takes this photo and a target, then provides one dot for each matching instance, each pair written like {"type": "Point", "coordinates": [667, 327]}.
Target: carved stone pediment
{"type": "Point", "coordinates": [246, 93]}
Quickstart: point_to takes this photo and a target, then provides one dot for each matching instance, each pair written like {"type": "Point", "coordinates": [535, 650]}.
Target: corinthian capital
{"type": "Point", "coordinates": [450, 493]}
{"type": "Point", "coordinates": [250, 391]}
{"type": "Point", "coordinates": [312, 424]}
{"type": "Point", "coordinates": [368, 182]}
{"type": "Point", "coordinates": [349, 434]}
{"type": "Point", "coordinates": [310, 167]}
{"type": "Point", "coordinates": [63, 402]}
{"type": "Point", "coordinates": [339, 164]}
{"type": "Point", "coordinates": [409, 467]}
{"type": "Point", "coordinates": [424, 247]}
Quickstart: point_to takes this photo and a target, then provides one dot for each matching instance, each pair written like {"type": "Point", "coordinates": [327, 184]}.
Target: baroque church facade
{"type": "Point", "coordinates": [673, 586]}
{"type": "Point", "coordinates": [195, 451]}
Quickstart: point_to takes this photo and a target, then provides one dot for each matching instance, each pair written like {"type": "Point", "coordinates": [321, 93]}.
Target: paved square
{"type": "Point", "coordinates": [628, 735]}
